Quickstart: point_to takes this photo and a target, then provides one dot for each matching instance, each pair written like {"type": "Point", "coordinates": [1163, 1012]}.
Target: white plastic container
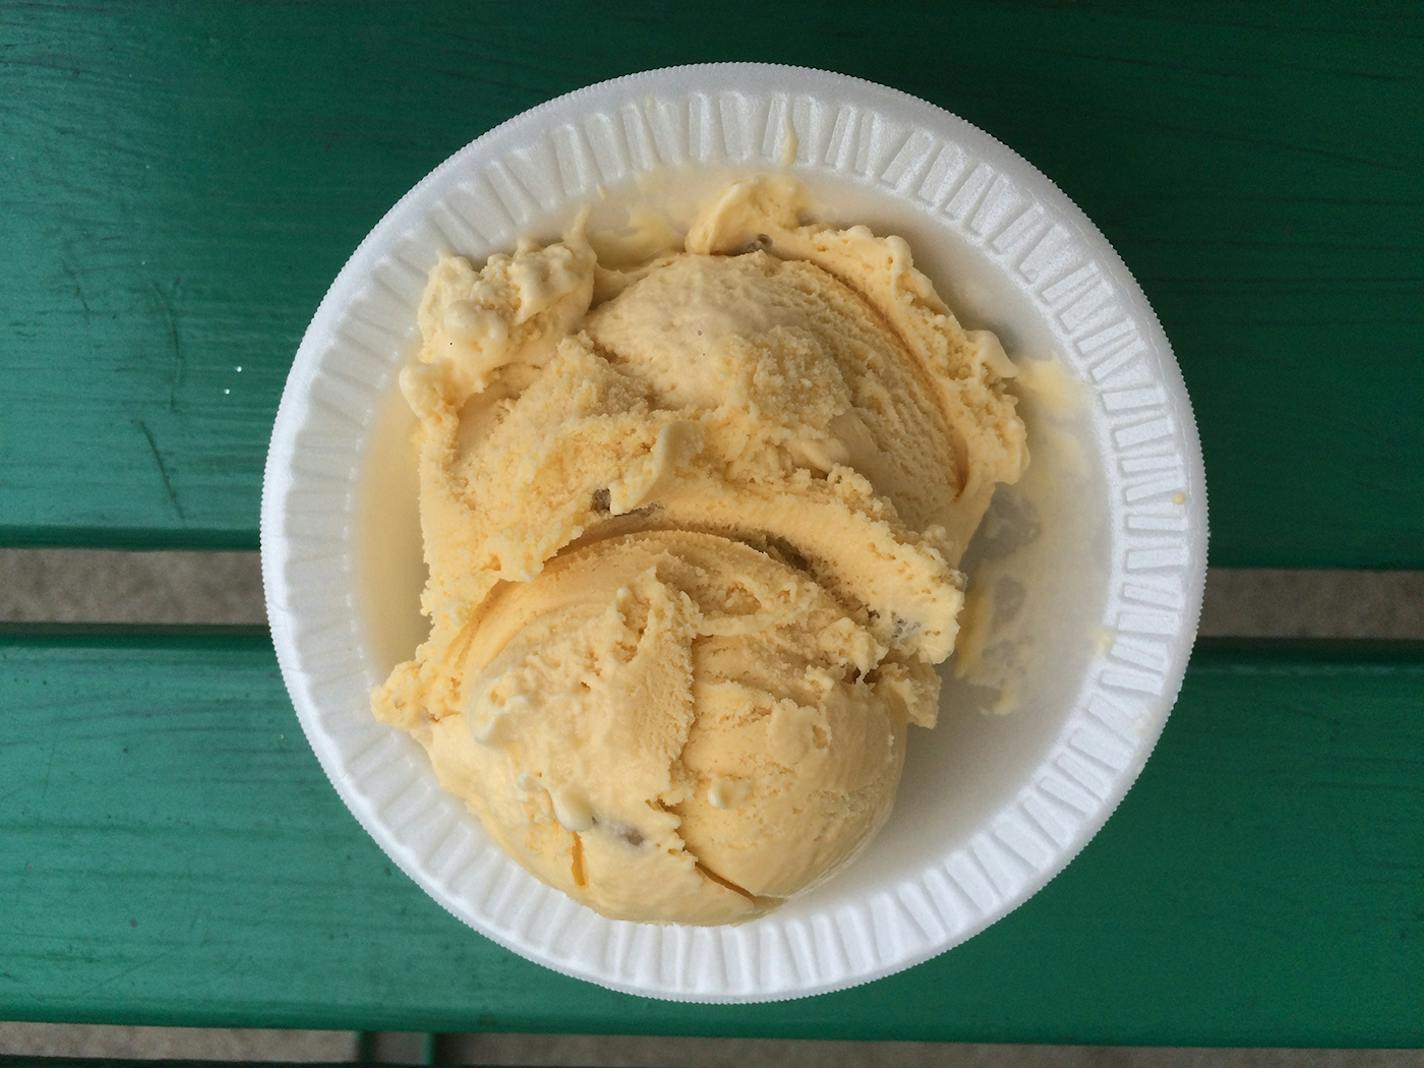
{"type": "Point", "coordinates": [1097, 559]}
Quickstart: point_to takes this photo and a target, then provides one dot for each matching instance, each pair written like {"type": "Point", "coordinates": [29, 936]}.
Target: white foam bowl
{"type": "Point", "coordinates": [992, 806]}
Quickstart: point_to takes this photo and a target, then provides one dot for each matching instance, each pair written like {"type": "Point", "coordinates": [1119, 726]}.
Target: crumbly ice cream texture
{"type": "Point", "coordinates": [692, 530]}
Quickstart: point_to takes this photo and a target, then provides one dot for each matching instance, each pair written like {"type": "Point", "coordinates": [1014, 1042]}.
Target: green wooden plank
{"type": "Point", "coordinates": [182, 182]}
{"type": "Point", "coordinates": [170, 853]}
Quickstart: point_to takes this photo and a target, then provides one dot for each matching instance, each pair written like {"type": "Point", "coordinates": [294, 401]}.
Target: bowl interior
{"type": "Point", "coordinates": [1042, 555]}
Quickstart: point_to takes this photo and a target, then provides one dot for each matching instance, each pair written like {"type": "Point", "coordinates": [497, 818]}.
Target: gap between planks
{"type": "Point", "coordinates": [225, 588]}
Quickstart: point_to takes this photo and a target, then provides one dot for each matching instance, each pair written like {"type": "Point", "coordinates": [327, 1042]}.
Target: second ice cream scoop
{"type": "Point", "coordinates": [676, 726]}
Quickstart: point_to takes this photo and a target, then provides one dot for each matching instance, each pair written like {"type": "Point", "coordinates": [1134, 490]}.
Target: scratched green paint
{"type": "Point", "coordinates": [182, 181]}
{"type": "Point", "coordinates": [171, 853]}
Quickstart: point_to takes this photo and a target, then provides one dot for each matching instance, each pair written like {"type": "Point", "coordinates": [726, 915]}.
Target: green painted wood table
{"type": "Point", "coordinates": [178, 184]}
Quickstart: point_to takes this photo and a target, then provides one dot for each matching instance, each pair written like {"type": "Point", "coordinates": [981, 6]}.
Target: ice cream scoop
{"type": "Point", "coordinates": [692, 529]}
{"type": "Point", "coordinates": [675, 726]}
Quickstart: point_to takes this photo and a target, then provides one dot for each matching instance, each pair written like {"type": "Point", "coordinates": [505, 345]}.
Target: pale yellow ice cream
{"type": "Point", "coordinates": [692, 529]}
